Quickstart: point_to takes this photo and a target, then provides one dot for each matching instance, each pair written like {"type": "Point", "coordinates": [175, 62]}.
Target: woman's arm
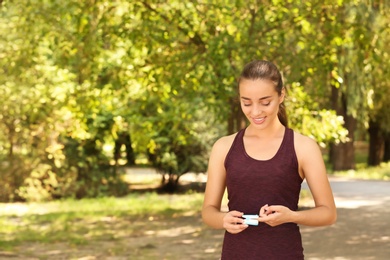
{"type": "Point", "coordinates": [312, 167]}
{"type": "Point", "coordinates": [215, 188]}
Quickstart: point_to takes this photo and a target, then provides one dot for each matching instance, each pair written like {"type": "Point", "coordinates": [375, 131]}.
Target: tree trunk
{"type": "Point", "coordinates": [124, 139]}
{"type": "Point", "coordinates": [130, 156]}
{"type": "Point", "coordinates": [342, 156]}
{"type": "Point", "coordinates": [376, 144]}
{"type": "Point", "coordinates": [386, 153]}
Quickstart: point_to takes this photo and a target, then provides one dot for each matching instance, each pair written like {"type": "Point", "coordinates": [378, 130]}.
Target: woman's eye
{"type": "Point", "coordinates": [246, 105]}
{"type": "Point", "coordinates": [266, 104]}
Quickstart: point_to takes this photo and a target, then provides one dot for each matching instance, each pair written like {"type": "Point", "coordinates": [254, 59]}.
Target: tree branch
{"type": "Point", "coordinates": [196, 39]}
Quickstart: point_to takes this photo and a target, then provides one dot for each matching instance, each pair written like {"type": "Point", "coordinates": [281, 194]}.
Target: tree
{"type": "Point", "coordinates": [377, 98]}
{"type": "Point", "coordinates": [338, 41]}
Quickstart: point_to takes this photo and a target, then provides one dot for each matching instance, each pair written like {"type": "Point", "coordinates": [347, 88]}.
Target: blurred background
{"type": "Point", "coordinates": [90, 89]}
{"type": "Point", "coordinates": [109, 108]}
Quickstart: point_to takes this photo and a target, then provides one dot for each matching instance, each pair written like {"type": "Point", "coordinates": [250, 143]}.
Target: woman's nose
{"type": "Point", "coordinates": [256, 110]}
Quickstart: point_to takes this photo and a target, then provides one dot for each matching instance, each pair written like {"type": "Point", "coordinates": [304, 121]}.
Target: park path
{"type": "Point", "coordinates": [362, 230]}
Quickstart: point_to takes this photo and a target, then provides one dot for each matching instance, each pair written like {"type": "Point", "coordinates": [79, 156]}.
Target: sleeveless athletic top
{"type": "Point", "coordinates": [253, 183]}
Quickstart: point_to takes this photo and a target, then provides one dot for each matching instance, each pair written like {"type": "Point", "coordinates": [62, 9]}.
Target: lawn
{"type": "Point", "coordinates": [77, 221]}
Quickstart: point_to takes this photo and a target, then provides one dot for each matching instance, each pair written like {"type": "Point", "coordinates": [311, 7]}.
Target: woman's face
{"type": "Point", "coordinates": [260, 101]}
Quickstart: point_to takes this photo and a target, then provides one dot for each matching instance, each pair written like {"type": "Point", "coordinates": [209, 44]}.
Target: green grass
{"type": "Point", "coordinates": [381, 172]}
{"type": "Point", "coordinates": [78, 221]}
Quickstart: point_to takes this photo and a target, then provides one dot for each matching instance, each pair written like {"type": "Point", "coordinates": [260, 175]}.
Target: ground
{"type": "Point", "coordinates": [362, 232]}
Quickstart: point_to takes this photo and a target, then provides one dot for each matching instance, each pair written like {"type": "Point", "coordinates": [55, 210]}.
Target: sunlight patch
{"type": "Point", "coordinates": [355, 203]}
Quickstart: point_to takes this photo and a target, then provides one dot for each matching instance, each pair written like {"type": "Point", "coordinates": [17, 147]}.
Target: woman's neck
{"type": "Point", "coordinates": [274, 130]}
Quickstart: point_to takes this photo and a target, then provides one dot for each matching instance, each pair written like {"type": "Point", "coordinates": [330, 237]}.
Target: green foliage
{"type": "Point", "coordinates": [61, 90]}
{"type": "Point", "coordinates": [305, 115]}
{"type": "Point", "coordinates": [75, 76]}
{"type": "Point", "coordinates": [179, 147]}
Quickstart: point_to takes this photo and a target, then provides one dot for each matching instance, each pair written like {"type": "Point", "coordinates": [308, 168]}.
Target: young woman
{"type": "Point", "coordinates": [262, 166]}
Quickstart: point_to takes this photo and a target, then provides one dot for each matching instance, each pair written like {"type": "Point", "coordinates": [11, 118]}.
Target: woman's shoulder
{"type": "Point", "coordinates": [222, 146]}
{"type": "Point", "coordinates": [304, 143]}
{"type": "Point", "coordinates": [225, 141]}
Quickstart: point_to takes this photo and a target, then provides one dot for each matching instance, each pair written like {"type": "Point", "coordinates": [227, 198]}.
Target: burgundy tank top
{"type": "Point", "coordinates": [253, 183]}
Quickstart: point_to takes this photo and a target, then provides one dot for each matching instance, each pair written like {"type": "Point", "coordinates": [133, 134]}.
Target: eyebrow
{"type": "Point", "coordinates": [245, 98]}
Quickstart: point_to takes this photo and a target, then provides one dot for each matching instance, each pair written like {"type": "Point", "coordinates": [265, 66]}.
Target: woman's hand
{"type": "Point", "coordinates": [233, 222]}
{"type": "Point", "coordinates": [275, 215]}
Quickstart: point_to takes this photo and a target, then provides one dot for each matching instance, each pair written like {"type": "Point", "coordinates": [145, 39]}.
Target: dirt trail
{"type": "Point", "coordinates": [362, 230]}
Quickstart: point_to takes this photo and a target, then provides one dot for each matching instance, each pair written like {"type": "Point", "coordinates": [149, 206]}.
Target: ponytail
{"type": "Point", "coordinates": [282, 114]}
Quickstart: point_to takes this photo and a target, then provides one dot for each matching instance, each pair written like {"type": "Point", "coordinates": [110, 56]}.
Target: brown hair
{"type": "Point", "coordinates": [262, 69]}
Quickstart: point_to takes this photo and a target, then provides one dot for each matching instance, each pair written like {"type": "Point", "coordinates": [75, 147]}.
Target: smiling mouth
{"type": "Point", "coordinates": [258, 120]}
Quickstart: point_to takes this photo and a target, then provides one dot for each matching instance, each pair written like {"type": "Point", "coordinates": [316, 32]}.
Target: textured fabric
{"type": "Point", "coordinates": [253, 183]}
